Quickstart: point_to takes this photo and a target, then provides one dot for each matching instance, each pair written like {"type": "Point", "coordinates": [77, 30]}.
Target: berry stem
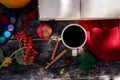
{"type": "Point", "coordinates": [20, 46]}
{"type": "Point", "coordinates": [17, 51]}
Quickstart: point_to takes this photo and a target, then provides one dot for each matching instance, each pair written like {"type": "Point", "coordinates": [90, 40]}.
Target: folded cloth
{"type": "Point", "coordinates": [103, 38]}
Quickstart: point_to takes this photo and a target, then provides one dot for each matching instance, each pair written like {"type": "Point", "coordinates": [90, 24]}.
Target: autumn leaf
{"type": "Point", "coordinates": [31, 15]}
{"type": "Point", "coordinates": [6, 62]}
{"type": "Point", "coordinates": [4, 19]}
{"type": "Point", "coordinates": [25, 24]}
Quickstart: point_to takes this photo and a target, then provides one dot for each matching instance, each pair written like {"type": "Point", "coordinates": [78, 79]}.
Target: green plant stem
{"type": "Point", "coordinates": [20, 47]}
{"type": "Point", "coordinates": [17, 51]}
{"type": "Point", "coordinates": [1, 66]}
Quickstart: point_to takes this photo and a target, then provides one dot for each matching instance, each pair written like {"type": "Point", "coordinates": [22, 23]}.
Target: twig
{"type": "Point", "coordinates": [55, 49]}
{"type": "Point", "coordinates": [16, 51]}
{"type": "Point", "coordinates": [56, 58]}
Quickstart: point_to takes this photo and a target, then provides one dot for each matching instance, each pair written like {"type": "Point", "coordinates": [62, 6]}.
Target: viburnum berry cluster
{"type": "Point", "coordinates": [27, 42]}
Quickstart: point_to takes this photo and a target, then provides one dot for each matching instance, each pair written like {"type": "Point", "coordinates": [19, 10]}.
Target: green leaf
{"type": "Point", "coordinates": [1, 55]}
{"type": "Point", "coordinates": [19, 58]}
{"type": "Point", "coordinates": [86, 61]}
{"type": "Point", "coordinates": [85, 67]}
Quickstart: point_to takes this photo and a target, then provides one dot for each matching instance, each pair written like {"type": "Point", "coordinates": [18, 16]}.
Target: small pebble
{"type": "Point", "coordinates": [31, 78]}
{"type": "Point", "coordinates": [67, 74]}
{"type": "Point", "coordinates": [62, 72]}
{"type": "Point", "coordinates": [104, 77]}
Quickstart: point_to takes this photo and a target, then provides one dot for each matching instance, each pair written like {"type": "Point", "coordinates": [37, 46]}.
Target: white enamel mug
{"type": "Point", "coordinates": [74, 37]}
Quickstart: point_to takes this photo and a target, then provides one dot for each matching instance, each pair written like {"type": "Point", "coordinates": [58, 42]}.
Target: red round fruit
{"type": "Point", "coordinates": [44, 31]}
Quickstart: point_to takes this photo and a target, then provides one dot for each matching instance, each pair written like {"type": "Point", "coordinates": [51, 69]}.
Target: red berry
{"type": "Point", "coordinates": [25, 57]}
{"type": "Point", "coordinates": [27, 41]}
{"type": "Point", "coordinates": [35, 53]}
{"type": "Point", "coordinates": [25, 44]}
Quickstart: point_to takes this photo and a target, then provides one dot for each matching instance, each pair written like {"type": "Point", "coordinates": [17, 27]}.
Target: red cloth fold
{"type": "Point", "coordinates": [103, 38]}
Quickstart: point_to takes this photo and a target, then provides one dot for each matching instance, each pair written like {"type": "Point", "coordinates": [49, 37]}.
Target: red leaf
{"type": "Point", "coordinates": [4, 19]}
{"type": "Point", "coordinates": [31, 15]}
{"type": "Point", "coordinates": [25, 24]}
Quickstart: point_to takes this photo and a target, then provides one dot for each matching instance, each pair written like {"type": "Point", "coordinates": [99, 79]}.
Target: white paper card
{"type": "Point", "coordinates": [59, 9]}
{"type": "Point", "coordinates": [78, 9]}
{"type": "Point", "coordinates": [100, 9]}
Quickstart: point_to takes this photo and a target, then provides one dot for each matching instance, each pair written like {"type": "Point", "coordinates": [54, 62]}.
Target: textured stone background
{"type": "Point", "coordinates": [45, 48]}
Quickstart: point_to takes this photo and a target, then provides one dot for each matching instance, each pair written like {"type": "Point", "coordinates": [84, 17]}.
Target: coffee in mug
{"type": "Point", "coordinates": [74, 37]}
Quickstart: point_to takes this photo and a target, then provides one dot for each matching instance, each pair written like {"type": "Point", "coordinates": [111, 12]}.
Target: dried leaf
{"type": "Point", "coordinates": [6, 61]}
{"type": "Point", "coordinates": [25, 24]}
{"type": "Point", "coordinates": [4, 19]}
{"type": "Point", "coordinates": [31, 15]}
{"type": "Point", "coordinates": [78, 75]}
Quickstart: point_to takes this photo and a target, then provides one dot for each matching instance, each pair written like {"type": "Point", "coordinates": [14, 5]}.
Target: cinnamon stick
{"type": "Point", "coordinates": [56, 58]}
{"type": "Point", "coordinates": [55, 49]}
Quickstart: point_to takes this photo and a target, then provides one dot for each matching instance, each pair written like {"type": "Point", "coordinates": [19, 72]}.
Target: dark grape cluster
{"type": "Point", "coordinates": [26, 40]}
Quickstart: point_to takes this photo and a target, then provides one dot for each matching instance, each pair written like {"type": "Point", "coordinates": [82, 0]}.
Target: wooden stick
{"type": "Point", "coordinates": [56, 58]}
{"type": "Point", "coordinates": [55, 49]}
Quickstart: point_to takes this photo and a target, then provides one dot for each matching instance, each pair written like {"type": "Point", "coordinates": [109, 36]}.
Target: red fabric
{"type": "Point", "coordinates": [103, 38]}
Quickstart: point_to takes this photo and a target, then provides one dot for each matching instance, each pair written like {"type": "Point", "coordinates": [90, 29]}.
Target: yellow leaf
{"type": "Point", "coordinates": [6, 62]}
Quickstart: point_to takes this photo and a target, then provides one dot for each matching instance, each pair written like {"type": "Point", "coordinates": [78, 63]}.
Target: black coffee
{"type": "Point", "coordinates": [74, 36]}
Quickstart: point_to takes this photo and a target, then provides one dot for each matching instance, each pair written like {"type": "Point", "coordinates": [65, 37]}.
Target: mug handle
{"type": "Point", "coordinates": [74, 52]}
{"type": "Point", "coordinates": [78, 51]}
{"type": "Point", "coordinates": [81, 50]}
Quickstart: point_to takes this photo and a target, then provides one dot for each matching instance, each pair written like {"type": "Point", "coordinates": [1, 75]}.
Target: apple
{"type": "Point", "coordinates": [44, 31]}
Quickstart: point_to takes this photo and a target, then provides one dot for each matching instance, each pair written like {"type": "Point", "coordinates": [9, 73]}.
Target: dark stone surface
{"type": "Point", "coordinates": [45, 48]}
